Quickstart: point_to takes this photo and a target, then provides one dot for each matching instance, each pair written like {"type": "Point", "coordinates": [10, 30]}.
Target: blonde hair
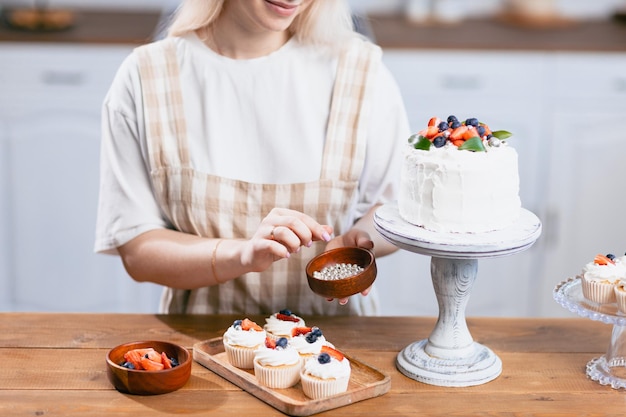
{"type": "Point", "coordinates": [324, 22]}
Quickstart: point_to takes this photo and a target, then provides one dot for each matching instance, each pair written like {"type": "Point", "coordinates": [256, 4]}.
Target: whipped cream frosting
{"type": "Point", "coordinates": [305, 348]}
{"type": "Point", "coordinates": [610, 272]}
{"type": "Point", "coordinates": [246, 338]}
{"type": "Point", "coordinates": [276, 357]}
{"type": "Point", "coordinates": [282, 327]}
{"type": "Point", "coordinates": [450, 190]}
{"type": "Point", "coordinates": [333, 369]}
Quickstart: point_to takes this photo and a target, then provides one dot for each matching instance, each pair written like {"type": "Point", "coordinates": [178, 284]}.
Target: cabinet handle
{"type": "Point", "coordinates": [461, 82]}
{"type": "Point", "coordinates": [62, 78]}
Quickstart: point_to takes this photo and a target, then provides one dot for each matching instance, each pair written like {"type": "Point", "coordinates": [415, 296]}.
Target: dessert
{"type": "Point", "coordinates": [241, 339]}
{"type": "Point", "coordinates": [620, 295]}
{"type": "Point", "coordinates": [308, 341]}
{"type": "Point", "coordinates": [459, 177]}
{"type": "Point", "coordinates": [325, 374]}
{"type": "Point", "coordinates": [282, 323]}
{"type": "Point", "coordinates": [600, 276]}
{"type": "Point", "coordinates": [277, 364]}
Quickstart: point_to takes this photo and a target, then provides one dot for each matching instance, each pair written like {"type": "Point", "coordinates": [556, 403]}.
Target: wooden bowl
{"type": "Point", "coordinates": [344, 287]}
{"type": "Point", "coordinates": [140, 382]}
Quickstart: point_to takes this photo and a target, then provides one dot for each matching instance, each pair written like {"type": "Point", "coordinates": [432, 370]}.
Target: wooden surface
{"type": "Point", "coordinates": [493, 34]}
{"type": "Point", "coordinates": [93, 26]}
{"type": "Point", "coordinates": [54, 365]}
{"type": "Point", "coordinates": [365, 383]}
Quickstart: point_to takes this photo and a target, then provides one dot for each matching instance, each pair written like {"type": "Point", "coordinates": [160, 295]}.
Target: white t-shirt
{"type": "Point", "coordinates": [259, 120]}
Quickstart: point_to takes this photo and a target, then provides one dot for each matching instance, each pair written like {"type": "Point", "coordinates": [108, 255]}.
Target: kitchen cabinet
{"type": "Point", "coordinates": [49, 179]}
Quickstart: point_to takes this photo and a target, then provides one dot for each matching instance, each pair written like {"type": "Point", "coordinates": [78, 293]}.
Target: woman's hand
{"type": "Point", "coordinates": [354, 237]}
{"type": "Point", "coordinates": [281, 232]}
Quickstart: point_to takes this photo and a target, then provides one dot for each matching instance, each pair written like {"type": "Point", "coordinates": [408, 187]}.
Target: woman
{"type": "Point", "coordinates": [256, 135]}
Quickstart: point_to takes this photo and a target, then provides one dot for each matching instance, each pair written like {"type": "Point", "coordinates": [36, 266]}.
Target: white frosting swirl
{"type": "Point", "coordinates": [247, 338]}
{"type": "Point", "coordinates": [276, 357]}
{"type": "Point", "coordinates": [280, 327]}
{"type": "Point", "coordinates": [609, 272]}
{"type": "Point", "coordinates": [333, 369]}
{"type": "Point", "coordinates": [302, 346]}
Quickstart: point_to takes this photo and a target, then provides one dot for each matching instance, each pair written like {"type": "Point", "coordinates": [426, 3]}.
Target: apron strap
{"type": "Point", "coordinates": [344, 153]}
{"type": "Point", "coordinates": [163, 104]}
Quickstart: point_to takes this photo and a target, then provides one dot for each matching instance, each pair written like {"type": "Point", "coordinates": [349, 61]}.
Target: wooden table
{"type": "Point", "coordinates": [54, 365]}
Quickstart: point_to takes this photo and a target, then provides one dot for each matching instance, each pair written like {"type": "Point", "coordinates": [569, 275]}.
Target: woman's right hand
{"type": "Point", "coordinates": [281, 232]}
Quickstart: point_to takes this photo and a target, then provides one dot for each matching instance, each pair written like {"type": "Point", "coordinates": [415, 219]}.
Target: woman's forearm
{"type": "Point", "coordinates": [180, 260]}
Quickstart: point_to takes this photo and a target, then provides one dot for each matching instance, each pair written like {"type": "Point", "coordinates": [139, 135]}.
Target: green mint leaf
{"type": "Point", "coordinates": [502, 134]}
{"type": "Point", "coordinates": [474, 144]}
{"type": "Point", "coordinates": [422, 143]}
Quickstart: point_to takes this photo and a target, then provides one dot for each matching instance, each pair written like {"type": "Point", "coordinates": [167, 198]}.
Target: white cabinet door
{"type": "Point", "coordinates": [51, 105]}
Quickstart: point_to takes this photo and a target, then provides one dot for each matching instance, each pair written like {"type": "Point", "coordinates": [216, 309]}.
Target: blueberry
{"type": "Point", "coordinates": [282, 343]}
{"type": "Point", "coordinates": [439, 141]}
{"type": "Point", "coordinates": [443, 126]}
{"type": "Point", "coordinates": [237, 323]}
{"type": "Point", "coordinates": [610, 256]}
{"type": "Point", "coordinates": [316, 331]}
{"type": "Point", "coordinates": [174, 362]}
{"type": "Point", "coordinates": [455, 124]}
{"type": "Point", "coordinates": [452, 118]}
{"type": "Point", "coordinates": [311, 337]}
{"type": "Point", "coordinates": [472, 121]}
{"type": "Point", "coordinates": [323, 358]}
{"type": "Point", "coordinates": [286, 312]}
{"type": "Point", "coordinates": [481, 131]}
{"type": "Point", "coordinates": [128, 365]}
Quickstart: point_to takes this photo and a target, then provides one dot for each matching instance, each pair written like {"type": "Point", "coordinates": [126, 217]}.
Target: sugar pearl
{"type": "Point", "coordinates": [338, 271]}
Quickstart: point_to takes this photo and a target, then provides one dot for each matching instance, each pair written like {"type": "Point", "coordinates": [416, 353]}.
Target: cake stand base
{"type": "Point", "coordinates": [450, 357]}
{"type": "Point", "coordinates": [478, 367]}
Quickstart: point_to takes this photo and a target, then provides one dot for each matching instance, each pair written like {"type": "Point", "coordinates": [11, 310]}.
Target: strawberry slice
{"type": "Point", "coordinates": [167, 363]}
{"type": "Point", "coordinates": [602, 260]}
{"type": "Point", "coordinates": [150, 365]}
{"type": "Point", "coordinates": [458, 133]}
{"type": "Point", "coordinates": [434, 121]}
{"type": "Point", "coordinates": [285, 317]}
{"type": "Point", "coordinates": [297, 331]}
{"type": "Point", "coordinates": [247, 324]}
{"type": "Point", "coordinates": [332, 352]}
{"type": "Point", "coordinates": [270, 343]}
{"type": "Point", "coordinates": [470, 133]}
{"type": "Point", "coordinates": [135, 356]}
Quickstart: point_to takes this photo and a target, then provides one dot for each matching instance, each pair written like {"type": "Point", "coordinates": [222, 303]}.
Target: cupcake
{"type": "Point", "coordinates": [325, 374]}
{"type": "Point", "coordinates": [620, 295]}
{"type": "Point", "coordinates": [600, 277]}
{"type": "Point", "coordinates": [241, 340]}
{"type": "Point", "coordinates": [281, 324]}
{"type": "Point", "coordinates": [277, 364]}
{"type": "Point", "coordinates": [308, 341]}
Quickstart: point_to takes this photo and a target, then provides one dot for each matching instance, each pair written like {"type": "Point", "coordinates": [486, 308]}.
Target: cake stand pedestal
{"type": "Point", "coordinates": [609, 369]}
{"type": "Point", "coordinates": [450, 357]}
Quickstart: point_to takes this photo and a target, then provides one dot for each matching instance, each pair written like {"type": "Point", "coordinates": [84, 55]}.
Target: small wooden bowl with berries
{"type": "Point", "coordinates": [148, 367]}
{"type": "Point", "coordinates": [341, 272]}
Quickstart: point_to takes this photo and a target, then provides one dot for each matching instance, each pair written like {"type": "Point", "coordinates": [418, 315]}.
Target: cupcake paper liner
{"type": "Point", "coordinates": [284, 376]}
{"type": "Point", "coordinates": [620, 299]}
{"type": "Point", "coordinates": [240, 356]}
{"type": "Point", "coordinates": [599, 292]}
{"type": "Point", "coordinates": [315, 388]}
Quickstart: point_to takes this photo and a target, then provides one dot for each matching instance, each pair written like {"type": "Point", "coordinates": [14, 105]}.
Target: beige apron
{"type": "Point", "coordinates": [207, 205]}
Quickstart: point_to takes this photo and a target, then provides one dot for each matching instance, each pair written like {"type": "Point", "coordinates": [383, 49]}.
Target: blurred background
{"type": "Point", "coordinates": [551, 71]}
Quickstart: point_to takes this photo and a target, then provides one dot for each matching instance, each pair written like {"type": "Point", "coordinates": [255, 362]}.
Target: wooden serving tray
{"type": "Point", "coordinates": [365, 382]}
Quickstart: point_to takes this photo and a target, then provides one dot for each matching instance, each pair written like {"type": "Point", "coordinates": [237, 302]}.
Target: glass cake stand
{"type": "Point", "coordinates": [609, 369]}
{"type": "Point", "coordinates": [449, 356]}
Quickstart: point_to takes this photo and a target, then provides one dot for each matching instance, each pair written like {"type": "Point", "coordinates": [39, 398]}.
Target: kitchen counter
{"type": "Point", "coordinates": [493, 34]}
{"type": "Point", "coordinates": [95, 27]}
{"type": "Point", "coordinates": [54, 365]}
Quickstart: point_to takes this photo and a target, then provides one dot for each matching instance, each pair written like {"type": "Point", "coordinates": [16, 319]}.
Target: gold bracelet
{"type": "Point", "coordinates": [213, 256]}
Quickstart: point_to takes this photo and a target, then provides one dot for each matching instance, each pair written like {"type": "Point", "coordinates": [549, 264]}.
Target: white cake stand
{"type": "Point", "coordinates": [450, 357]}
{"type": "Point", "coordinates": [609, 369]}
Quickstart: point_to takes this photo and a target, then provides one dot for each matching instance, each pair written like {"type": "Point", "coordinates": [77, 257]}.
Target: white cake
{"type": "Point", "coordinates": [448, 189]}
